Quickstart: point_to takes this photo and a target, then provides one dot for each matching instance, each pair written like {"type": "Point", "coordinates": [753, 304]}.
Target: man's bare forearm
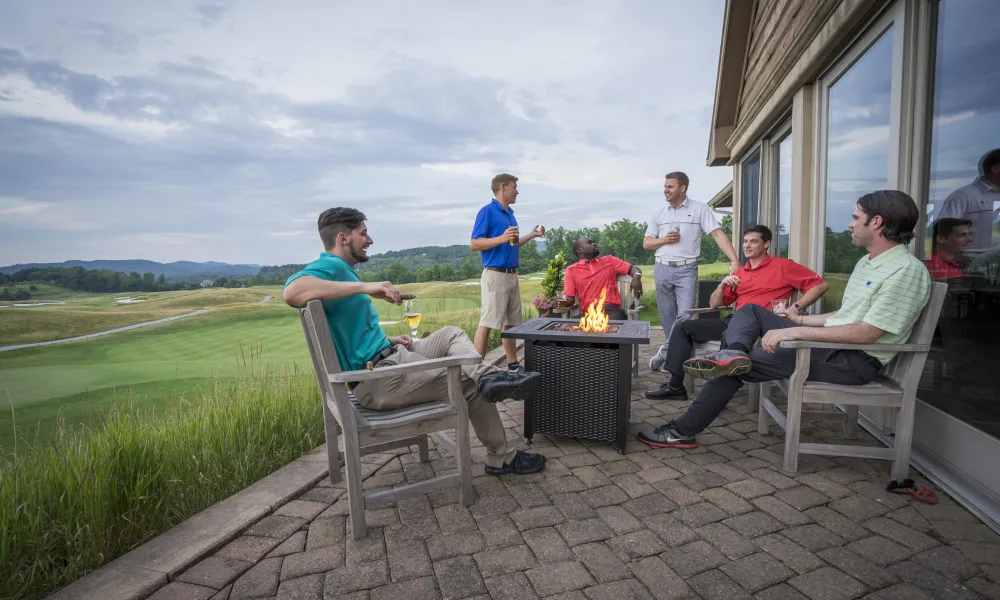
{"type": "Point", "coordinates": [715, 301]}
{"type": "Point", "coordinates": [813, 320]}
{"type": "Point", "coordinates": [652, 243]}
{"type": "Point", "coordinates": [306, 289]}
{"type": "Point", "coordinates": [726, 245]}
{"type": "Point", "coordinates": [855, 333]}
{"type": "Point", "coordinates": [812, 295]}
{"type": "Point", "coordinates": [480, 244]}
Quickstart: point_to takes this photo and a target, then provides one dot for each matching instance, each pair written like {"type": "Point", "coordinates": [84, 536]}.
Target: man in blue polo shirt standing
{"type": "Point", "coordinates": [495, 235]}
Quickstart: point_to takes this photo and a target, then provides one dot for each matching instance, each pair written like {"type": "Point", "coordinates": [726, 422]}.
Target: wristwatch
{"type": "Point", "coordinates": [796, 306]}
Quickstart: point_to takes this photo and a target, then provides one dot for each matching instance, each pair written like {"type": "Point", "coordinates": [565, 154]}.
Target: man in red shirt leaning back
{"type": "Point", "coordinates": [951, 239]}
{"type": "Point", "coordinates": [593, 273]}
{"type": "Point", "coordinates": [763, 280]}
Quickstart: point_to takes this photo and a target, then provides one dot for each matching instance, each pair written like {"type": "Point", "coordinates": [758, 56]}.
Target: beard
{"type": "Point", "coordinates": [358, 255]}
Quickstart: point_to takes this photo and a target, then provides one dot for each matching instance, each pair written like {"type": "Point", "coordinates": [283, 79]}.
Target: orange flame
{"type": "Point", "coordinates": [595, 320]}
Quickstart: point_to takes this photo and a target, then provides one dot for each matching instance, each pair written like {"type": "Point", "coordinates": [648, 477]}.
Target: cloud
{"type": "Point", "coordinates": [192, 126]}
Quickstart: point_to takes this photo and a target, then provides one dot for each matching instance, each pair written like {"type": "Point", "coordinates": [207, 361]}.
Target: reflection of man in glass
{"type": "Point", "coordinates": [951, 239]}
{"type": "Point", "coordinates": [975, 202]}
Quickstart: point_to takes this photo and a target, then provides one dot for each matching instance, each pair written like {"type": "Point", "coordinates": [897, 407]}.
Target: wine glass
{"type": "Point", "coordinates": [411, 312]}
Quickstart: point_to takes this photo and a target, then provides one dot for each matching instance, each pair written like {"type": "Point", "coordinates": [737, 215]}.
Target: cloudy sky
{"type": "Point", "coordinates": [219, 129]}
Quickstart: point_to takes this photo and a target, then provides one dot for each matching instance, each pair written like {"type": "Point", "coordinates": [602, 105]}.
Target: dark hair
{"type": "Point", "coordinates": [337, 220]}
{"type": "Point", "coordinates": [898, 211]}
{"type": "Point", "coordinates": [989, 160]}
{"type": "Point", "coordinates": [944, 227]}
{"type": "Point", "coordinates": [763, 230]}
{"type": "Point", "coordinates": [679, 176]}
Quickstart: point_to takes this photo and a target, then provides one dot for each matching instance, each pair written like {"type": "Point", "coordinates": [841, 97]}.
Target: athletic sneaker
{"type": "Point", "coordinates": [657, 364]}
{"type": "Point", "coordinates": [666, 436]}
{"type": "Point", "coordinates": [722, 363]}
{"type": "Point", "coordinates": [665, 392]}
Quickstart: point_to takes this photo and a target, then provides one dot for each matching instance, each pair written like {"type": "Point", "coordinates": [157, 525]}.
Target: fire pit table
{"type": "Point", "coordinates": [586, 378]}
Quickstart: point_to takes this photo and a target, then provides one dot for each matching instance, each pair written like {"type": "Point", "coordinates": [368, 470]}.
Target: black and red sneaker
{"type": "Point", "coordinates": [722, 363]}
{"type": "Point", "coordinates": [667, 436]}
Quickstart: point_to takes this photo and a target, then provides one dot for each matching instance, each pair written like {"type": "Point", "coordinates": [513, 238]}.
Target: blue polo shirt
{"type": "Point", "coordinates": [353, 320]}
{"type": "Point", "coordinates": [491, 222]}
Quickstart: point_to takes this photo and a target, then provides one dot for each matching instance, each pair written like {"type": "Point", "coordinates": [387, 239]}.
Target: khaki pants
{"type": "Point", "coordinates": [501, 300]}
{"type": "Point", "coordinates": [408, 389]}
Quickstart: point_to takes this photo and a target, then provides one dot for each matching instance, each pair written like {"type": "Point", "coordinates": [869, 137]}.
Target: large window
{"type": "Point", "coordinates": [964, 201]}
{"type": "Point", "coordinates": [783, 197]}
{"type": "Point", "coordinates": [749, 194]}
{"type": "Point", "coordinates": [858, 113]}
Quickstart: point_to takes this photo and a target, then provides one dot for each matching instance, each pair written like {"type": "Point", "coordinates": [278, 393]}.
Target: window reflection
{"type": "Point", "coordinates": [749, 192]}
{"type": "Point", "coordinates": [962, 245]}
{"type": "Point", "coordinates": [859, 104]}
{"type": "Point", "coordinates": [784, 195]}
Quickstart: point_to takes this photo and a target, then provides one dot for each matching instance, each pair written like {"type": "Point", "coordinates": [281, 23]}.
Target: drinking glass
{"type": "Point", "coordinates": [411, 312]}
{"type": "Point", "coordinates": [514, 242]}
{"type": "Point", "coordinates": [779, 306]}
{"type": "Point", "coordinates": [676, 229]}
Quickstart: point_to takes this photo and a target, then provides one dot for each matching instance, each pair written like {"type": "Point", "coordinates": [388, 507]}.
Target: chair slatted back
{"type": "Point", "coordinates": [906, 367]}
{"type": "Point", "coordinates": [325, 362]}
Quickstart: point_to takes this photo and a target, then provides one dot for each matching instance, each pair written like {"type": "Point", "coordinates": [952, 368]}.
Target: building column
{"type": "Point", "coordinates": [803, 225]}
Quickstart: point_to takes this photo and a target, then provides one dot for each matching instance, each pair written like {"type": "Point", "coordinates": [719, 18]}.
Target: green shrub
{"type": "Point", "coordinates": [91, 495]}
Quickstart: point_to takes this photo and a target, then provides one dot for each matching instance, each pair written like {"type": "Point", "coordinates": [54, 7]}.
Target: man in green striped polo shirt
{"type": "Point", "coordinates": [883, 299]}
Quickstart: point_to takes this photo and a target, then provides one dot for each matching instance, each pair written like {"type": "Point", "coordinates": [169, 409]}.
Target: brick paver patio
{"type": "Point", "coordinates": [717, 522]}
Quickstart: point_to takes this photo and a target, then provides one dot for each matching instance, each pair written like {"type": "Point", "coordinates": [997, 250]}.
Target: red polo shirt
{"type": "Point", "coordinates": [942, 268]}
{"type": "Point", "coordinates": [773, 279]}
{"type": "Point", "coordinates": [586, 279]}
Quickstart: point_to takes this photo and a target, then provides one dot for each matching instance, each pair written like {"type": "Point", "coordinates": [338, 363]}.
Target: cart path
{"type": "Point", "coordinates": [100, 333]}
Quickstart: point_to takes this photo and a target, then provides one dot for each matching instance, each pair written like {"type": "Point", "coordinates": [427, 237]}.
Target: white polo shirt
{"type": "Point", "coordinates": [694, 218]}
{"type": "Point", "coordinates": [975, 203]}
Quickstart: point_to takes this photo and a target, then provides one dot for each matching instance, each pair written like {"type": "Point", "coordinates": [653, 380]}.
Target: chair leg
{"type": "Point", "coordinates": [754, 393]}
{"type": "Point", "coordinates": [763, 420]}
{"type": "Point", "coordinates": [355, 490]}
{"type": "Point", "coordinates": [463, 450]}
{"type": "Point", "coordinates": [689, 382]}
{"type": "Point", "coordinates": [851, 423]}
{"type": "Point", "coordinates": [332, 448]}
{"type": "Point", "coordinates": [422, 447]}
{"type": "Point", "coordinates": [793, 422]}
{"type": "Point", "coordinates": [903, 437]}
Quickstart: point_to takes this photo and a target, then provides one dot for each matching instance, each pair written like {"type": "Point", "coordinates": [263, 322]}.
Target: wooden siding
{"type": "Point", "coordinates": [779, 26]}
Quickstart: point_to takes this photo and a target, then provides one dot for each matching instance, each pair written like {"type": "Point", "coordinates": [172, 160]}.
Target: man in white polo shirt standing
{"type": "Point", "coordinates": [675, 231]}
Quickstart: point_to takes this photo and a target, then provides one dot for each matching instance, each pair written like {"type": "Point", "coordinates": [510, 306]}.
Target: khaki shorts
{"type": "Point", "coordinates": [501, 293]}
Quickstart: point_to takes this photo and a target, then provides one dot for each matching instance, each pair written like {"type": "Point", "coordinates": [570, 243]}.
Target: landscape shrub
{"type": "Point", "coordinates": [90, 495]}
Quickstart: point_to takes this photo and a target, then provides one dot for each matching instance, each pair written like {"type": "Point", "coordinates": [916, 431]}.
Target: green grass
{"type": "Point", "coordinates": [90, 495]}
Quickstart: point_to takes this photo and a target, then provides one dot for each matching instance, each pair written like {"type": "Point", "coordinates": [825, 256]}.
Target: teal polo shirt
{"type": "Point", "coordinates": [353, 320]}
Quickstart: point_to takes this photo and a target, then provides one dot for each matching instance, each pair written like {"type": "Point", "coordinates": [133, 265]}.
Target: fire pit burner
{"type": "Point", "coordinates": [586, 378]}
{"type": "Point", "coordinates": [560, 326]}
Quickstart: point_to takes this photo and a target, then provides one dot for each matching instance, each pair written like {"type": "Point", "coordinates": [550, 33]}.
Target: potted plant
{"type": "Point", "coordinates": [547, 301]}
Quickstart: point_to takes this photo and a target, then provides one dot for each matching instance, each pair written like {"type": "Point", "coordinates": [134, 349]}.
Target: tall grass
{"type": "Point", "coordinates": [93, 494]}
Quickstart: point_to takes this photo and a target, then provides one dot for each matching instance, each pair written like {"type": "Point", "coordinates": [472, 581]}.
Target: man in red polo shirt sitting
{"type": "Point", "coordinates": [586, 279]}
{"type": "Point", "coordinates": [763, 280]}
{"type": "Point", "coordinates": [950, 239]}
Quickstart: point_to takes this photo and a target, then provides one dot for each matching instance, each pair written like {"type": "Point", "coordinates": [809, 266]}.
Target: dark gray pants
{"type": "Point", "coordinates": [688, 333]}
{"type": "Point", "coordinates": [749, 324]}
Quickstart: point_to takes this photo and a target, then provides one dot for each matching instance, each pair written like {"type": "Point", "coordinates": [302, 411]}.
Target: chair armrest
{"type": "Point", "coordinates": [866, 347]}
{"type": "Point", "coordinates": [413, 367]}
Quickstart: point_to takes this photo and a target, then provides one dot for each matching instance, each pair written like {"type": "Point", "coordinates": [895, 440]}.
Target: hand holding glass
{"type": "Point", "coordinates": [779, 306]}
{"type": "Point", "coordinates": [411, 311]}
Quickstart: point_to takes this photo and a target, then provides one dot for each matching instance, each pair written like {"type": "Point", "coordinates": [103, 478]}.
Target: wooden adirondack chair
{"type": "Point", "coordinates": [895, 388]}
{"type": "Point", "coordinates": [368, 431]}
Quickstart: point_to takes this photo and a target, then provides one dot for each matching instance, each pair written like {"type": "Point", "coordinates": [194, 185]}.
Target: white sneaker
{"type": "Point", "coordinates": [656, 364]}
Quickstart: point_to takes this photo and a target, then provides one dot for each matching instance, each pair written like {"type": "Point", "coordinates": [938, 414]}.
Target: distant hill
{"type": "Point", "coordinates": [415, 258]}
{"type": "Point", "coordinates": [177, 270]}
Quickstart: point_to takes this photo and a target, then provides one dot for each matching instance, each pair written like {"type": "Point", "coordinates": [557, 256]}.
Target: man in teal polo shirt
{"type": "Point", "coordinates": [360, 342]}
{"type": "Point", "coordinates": [884, 298]}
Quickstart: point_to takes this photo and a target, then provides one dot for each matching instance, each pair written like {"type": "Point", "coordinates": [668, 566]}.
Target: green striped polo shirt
{"type": "Point", "coordinates": [889, 293]}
